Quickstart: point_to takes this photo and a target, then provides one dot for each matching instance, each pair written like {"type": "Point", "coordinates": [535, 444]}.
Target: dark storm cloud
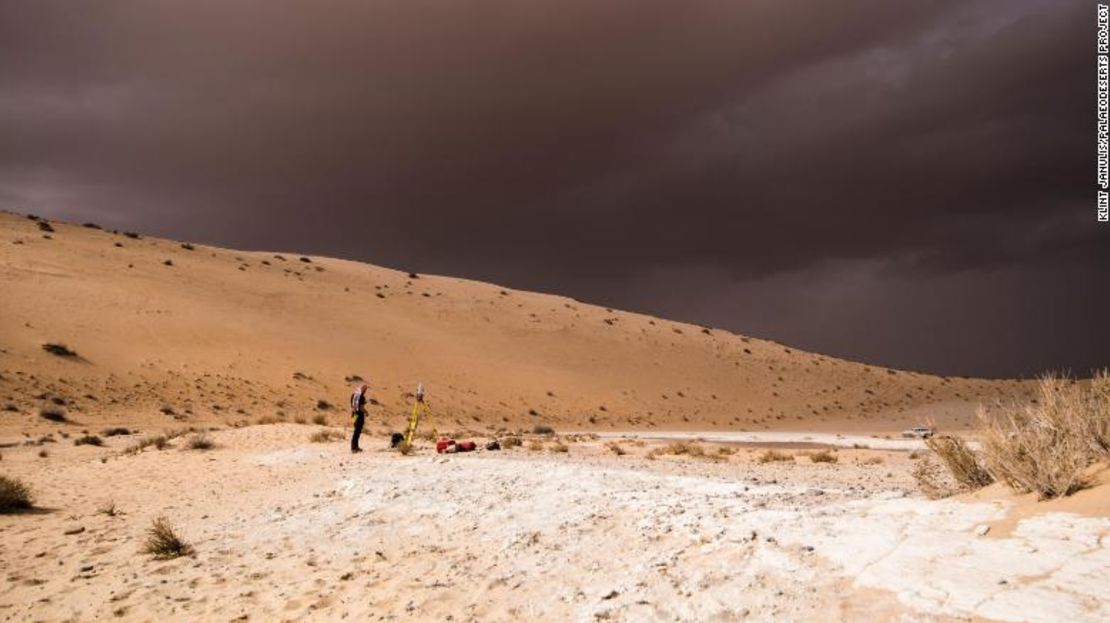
{"type": "Point", "coordinates": [761, 165]}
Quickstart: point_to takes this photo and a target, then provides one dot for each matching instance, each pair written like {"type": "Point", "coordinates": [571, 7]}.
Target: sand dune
{"type": "Point", "coordinates": [221, 336]}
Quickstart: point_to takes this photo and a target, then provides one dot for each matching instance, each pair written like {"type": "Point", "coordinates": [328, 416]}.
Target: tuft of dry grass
{"type": "Point", "coordinates": [15, 495]}
{"type": "Point", "coordinates": [680, 448]}
{"type": "Point", "coordinates": [59, 350]}
{"type": "Point", "coordinates": [320, 420]}
{"type": "Point", "coordinates": [823, 456]}
{"type": "Point", "coordinates": [88, 440]}
{"type": "Point", "coordinates": [559, 446]}
{"type": "Point", "coordinates": [932, 480]}
{"type": "Point", "coordinates": [541, 429]}
{"type": "Point", "coordinates": [872, 460]}
{"type": "Point", "coordinates": [108, 508]}
{"type": "Point", "coordinates": [1046, 447]}
{"type": "Point", "coordinates": [326, 436]}
{"type": "Point", "coordinates": [115, 432]}
{"type": "Point", "coordinates": [616, 448]}
{"type": "Point", "coordinates": [511, 442]}
{"type": "Point", "coordinates": [771, 456]}
{"type": "Point", "coordinates": [53, 414]}
{"type": "Point", "coordinates": [200, 441]}
{"type": "Point", "coordinates": [163, 543]}
{"type": "Point", "coordinates": [960, 460]}
{"type": "Point", "coordinates": [535, 445]}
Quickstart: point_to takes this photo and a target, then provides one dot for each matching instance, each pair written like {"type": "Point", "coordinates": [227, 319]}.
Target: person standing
{"type": "Point", "coordinates": [358, 412]}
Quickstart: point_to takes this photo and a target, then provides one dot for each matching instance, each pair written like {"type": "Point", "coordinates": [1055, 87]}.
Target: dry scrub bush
{"type": "Point", "coordinates": [559, 446]}
{"type": "Point", "coordinates": [535, 445]}
{"type": "Point", "coordinates": [823, 456]}
{"type": "Point", "coordinates": [320, 420]}
{"type": "Point", "coordinates": [961, 462]}
{"type": "Point", "coordinates": [162, 541]}
{"type": "Point", "coordinates": [872, 460]}
{"type": "Point", "coordinates": [774, 455]}
{"type": "Point", "coordinates": [615, 448]}
{"type": "Point", "coordinates": [932, 480]}
{"type": "Point", "coordinates": [14, 495]}
{"type": "Point", "coordinates": [200, 442]}
{"type": "Point", "coordinates": [541, 429]}
{"type": "Point", "coordinates": [679, 448]}
{"type": "Point", "coordinates": [511, 442]}
{"type": "Point", "coordinates": [1046, 447]}
{"type": "Point", "coordinates": [325, 436]}
{"type": "Point", "coordinates": [54, 414]}
{"type": "Point", "coordinates": [88, 440]}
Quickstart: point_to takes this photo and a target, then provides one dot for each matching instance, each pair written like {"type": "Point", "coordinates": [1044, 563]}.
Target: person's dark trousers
{"type": "Point", "coordinates": [360, 419]}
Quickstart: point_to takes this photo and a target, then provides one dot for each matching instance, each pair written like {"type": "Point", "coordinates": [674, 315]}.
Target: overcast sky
{"type": "Point", "coordinates": [903, 183]}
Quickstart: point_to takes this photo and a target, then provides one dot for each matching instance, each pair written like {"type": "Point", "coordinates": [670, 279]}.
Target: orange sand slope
{"type": "Point", "coordinates": [166, 332]}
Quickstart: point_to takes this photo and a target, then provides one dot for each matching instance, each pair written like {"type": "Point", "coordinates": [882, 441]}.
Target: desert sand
{"type": "Point", "coordinates": [256, 349]}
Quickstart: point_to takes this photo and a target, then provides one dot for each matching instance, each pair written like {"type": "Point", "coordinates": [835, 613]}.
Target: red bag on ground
{"type": "Point", "coordinates": [466, 446]}
{"type": "Point", "coordinates": [443, 444]}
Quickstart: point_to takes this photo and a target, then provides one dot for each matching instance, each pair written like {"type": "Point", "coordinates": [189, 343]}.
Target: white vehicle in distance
{"type": "Point", "coordinates": [918, 432]}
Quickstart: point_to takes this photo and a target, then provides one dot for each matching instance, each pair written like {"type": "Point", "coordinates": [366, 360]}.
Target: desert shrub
{"type": "Point", "coordinates": [960, 461]}
{"type": "Point", "coordinates": [132, 235]}
{"type": "Point", "coordinates": [932, 479]}
{"type": "Point", "coordinates": [770, 456]}
{"type": "Point", "coordinates": [541, 429]}
{"type": "Point", "coordinates": [823, 456]}
{"type": "Point", "coordinates": [54, 414]}
{"type": "Point", "coordinates": [320, 420]}
{"type": "Point", "coordinates": [872, 460]}
{"type": "Point", "coordinates": [44, 226]}
{"type": "Point", "coordinates": [323, 405]}
{"type": "Point", "coordinates": [43, 454]}
{"type": "Point", "coordinates": [11, 406]}
{"type": "Point", "coordinates": [163, 543]}
{"type": "Point", "coordinates": [115, 432]}
{"type": "Point", "coordinates": [353, 378]}
{"type": "Point", "coordinates": [88, 440]}
{"type": "Point", "coordinates": [684, 447]}
{"type": "Point", "coordinates": [326, 435]}
{"type": "Point", "coordinates": [187, 246]}
{"type": "Point", "coordinates": [726, 451]}
{"type": "Point", "coordinates": [535, 445]}
{"type": "Point", "coordinates": [60, 350]}
{"type": "Point", "coordinates": [511, 442]}
{"type": "Point", "coordinates": [14, 495]}
{"type": "Point", "coordinates": [200, 442]}
{"type": "Point", "coordinates": [108, 508]}
{"type": "Point", "coordinates": [559, 446]}
{"type": "Point", "coordinates": [167, 409]}
{"type": "Point", "coordinates": [615, 448]}
{"type": "Point", "coordinates": [1045, 447]}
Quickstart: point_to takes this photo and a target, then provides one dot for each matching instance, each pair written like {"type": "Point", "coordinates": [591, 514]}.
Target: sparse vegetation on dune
{"type": "Point", "coordinates": [88, 440]}
{"type": "Point", "coordinates": [15, 495]}
{"type": "Point", "coordinates": [616, 448]}
{"type": "Point", "coordinates": [163, 543]}
{"type": "Point", "coordinates": [115, 431]}
{"type": "Point", "coordinates": [511, 442]}
{"type": "Point", "coordinates": [60, 350]}
{"type": "Point", "coordinates": [541, 429]}
{"type": "Point", "coordinates": [54, 414]}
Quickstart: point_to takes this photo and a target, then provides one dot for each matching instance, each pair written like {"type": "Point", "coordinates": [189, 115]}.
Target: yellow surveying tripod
{"type": "Point", "coordinates": [420, 409]}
